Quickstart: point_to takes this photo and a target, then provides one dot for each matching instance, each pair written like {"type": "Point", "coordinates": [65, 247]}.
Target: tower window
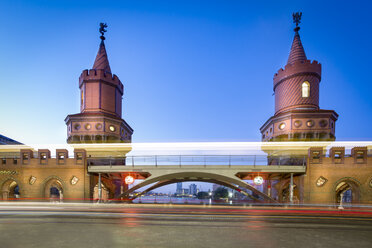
{"type": "Point", "coordinates": [298, 123]}
{"type": "Point", "coordinates": [323, 123]}
{"type": "Point", "coordinates": [282, 126]}
{"type": "Point", "coordinates": [79, 156]}
{"type": "Point", "coordinates": [310, 123]}
{"type": "Point", "coordinates": [305, 89]}
{"type": "Point", "coordinates": [98, 126]}
{"type": "Point", "coordinates": [77, 126]}
{"type": "Point", "coordinates": [337, 156]}
{"type": "Point", "coordinates": [82, 98]}
{"type": "Point", "coordinates": [360, 155]}
{"type": "Point", "coordinates": [316, 155]}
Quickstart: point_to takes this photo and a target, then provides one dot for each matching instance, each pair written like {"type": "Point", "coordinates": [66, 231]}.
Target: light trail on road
{"type": "Point", "coordinates": [99, 225]}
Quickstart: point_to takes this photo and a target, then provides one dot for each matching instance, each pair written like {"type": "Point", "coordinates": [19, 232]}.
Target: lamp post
{"type": "Point", "coordinates": [291, 190]}
{"type": "Point", "coordinates": [230, 197]}
{"type": "Point", "coordinates": [99, 188]}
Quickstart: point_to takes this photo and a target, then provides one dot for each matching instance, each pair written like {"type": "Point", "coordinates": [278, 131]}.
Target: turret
{"type": "Point", "coordinates": [101, 92]}
{"type": "Point", "coordinates": [297, 85]}
{"type": "Point", "coordinates": [296, 88]}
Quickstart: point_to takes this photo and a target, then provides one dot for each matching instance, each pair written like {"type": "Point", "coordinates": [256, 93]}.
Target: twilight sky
{"type": "Point", "coordinates": [192, 70]}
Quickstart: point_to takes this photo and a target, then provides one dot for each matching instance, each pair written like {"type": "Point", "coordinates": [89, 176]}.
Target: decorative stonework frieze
{"type": "Point", "coordinates": [8, 172]}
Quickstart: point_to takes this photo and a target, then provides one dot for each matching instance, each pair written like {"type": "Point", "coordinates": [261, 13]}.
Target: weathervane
{"type": "Point", "coordinates": [297, 20]}
{"type": "Point", "coordinates": [102, 30]}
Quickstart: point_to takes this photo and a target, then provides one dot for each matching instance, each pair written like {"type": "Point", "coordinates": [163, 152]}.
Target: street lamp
{"type": "Point", "coordinates": [129, 180]}
{"type": "Point", "coordinates": [258, 180]}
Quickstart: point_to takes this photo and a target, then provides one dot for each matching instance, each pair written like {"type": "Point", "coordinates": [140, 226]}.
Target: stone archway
{"type": "Point", "coordinates": [10, 190]}
{"type": "Point", "coordinates": [349, 189]}
{"type": "Point", "coordinates": [53, 190]}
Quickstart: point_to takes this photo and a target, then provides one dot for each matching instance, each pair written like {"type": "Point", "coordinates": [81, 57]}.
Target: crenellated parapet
{"type": "Point", "coordinates": [95, 75]}
{"type": "Point", "coordinates": [298, 68]}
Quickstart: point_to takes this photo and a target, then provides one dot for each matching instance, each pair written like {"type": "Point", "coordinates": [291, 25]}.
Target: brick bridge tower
{"type": "Point", "coordinates": [101, 94]}
{"type": "Point", "coordinates": [296, 88]}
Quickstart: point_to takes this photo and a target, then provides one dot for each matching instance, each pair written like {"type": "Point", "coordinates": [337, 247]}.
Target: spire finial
{"type": "Point", "coordinates": [297, 20]}
{"type": "Point", "coordinates": [102, 30]}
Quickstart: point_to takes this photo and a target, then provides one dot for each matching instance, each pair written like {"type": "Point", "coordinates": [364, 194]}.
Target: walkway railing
{"type": "Point", "coordinates": [201, 160]}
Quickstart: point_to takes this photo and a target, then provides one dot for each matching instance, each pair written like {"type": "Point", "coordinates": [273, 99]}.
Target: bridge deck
{"type": "Point", "coordinates": [201, 168]}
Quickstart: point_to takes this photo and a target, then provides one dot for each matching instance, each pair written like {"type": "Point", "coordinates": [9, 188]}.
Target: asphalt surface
{"type": "Point", "coordinates": [121, 225]}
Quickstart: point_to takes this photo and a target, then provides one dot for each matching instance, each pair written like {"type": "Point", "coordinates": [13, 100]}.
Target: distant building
{"type": "Point", "coordinates": [179, 188]}
{"type": "Point", "coordinates": [193, 190]}
{"type": "Point", "coordinates": [215, 187]}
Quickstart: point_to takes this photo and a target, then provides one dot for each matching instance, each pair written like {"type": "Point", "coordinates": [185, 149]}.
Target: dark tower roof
{"type": "Point", "coordinates": [101, 61]}
{"type": "Point", "coordinates": [8, 141]}
{"type": "Point", "coordinates": [297, 50]}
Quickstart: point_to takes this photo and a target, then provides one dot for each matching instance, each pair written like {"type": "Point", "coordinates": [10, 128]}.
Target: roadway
{"type": "Point", "coordinates": [149, 225]}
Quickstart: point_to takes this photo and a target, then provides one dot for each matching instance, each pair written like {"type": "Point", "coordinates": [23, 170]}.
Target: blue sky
{"type": "Point", "coordinates": [192, 70]}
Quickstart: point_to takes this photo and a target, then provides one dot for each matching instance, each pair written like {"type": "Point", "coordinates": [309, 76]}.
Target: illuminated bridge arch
{"type": "Point", "coordinates": [162, 180]}
{"type": "Point", "coordinates": [167, 182]}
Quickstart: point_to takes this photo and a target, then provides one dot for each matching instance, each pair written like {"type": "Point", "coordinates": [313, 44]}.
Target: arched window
{"type": "Point", "coordinates": [82, 98]}
{"type": "Point", "coordinates": [305, 89]}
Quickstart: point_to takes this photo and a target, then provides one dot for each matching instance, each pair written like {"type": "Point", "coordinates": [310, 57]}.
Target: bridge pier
{"type": "Point", "coordinates": [291, 189]}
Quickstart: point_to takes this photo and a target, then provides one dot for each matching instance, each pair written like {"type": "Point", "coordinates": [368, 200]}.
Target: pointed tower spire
{"type": "Point", "coordinates": [297, 50]}
{"type": "Point", "coordinates": [101, 61]}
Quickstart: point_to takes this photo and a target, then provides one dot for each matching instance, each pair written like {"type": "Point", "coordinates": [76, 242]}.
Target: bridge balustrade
{"type": "Point", "coordinates": [199, 160]}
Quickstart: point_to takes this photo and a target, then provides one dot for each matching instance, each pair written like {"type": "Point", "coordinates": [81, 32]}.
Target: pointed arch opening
{"type": "Point", "coordinates": [10, 190]}
{"type": "Point", "coordinates": [348, 190]}
{"type": "Point", "coordinates": [53, 190]}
